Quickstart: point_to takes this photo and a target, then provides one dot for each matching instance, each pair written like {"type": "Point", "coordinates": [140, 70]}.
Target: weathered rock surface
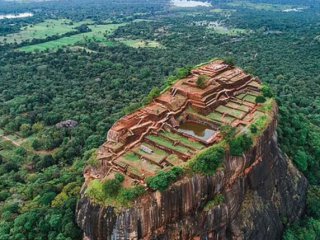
{"type": "Point", "coordinates": [263, 191]}
{"type": "Point", "coordinates": [67, 124]}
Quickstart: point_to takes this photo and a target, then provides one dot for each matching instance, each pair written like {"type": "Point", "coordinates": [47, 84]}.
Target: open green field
{"type": "Point", "coordinates": [58, 27]}
{"type": "Point", "coordinates": [260, 6]}
{"type": "Point", "coordinates": [229, 31]}
{"type": "Point", "coordinates": [141, 43]}
{"type": "Point", "coordinates": [98, 34]}
{"type": "Point", "coordinates": [50, 27]}
{"type": "Point", "coordinates": [220, 28]}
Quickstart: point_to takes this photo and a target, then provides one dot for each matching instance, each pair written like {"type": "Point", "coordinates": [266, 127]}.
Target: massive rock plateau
{"type": "Point", "coordinates": [262, 192]}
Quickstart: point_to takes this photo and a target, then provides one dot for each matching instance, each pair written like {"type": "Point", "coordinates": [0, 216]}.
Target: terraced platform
{"type": "Point", "coordinates": [181, 122]}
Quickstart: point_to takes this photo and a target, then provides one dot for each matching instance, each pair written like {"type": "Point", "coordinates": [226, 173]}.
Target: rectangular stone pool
{"type": "Point", "coordinates": [197, 130]}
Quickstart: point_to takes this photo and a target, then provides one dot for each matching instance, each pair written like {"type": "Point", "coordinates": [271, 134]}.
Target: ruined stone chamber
{"type": "Point", "coordinates": [262, 190]}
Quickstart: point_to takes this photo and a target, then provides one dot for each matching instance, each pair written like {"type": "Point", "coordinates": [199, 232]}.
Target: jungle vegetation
{"type": "Point", "coordinates": [96, 82]}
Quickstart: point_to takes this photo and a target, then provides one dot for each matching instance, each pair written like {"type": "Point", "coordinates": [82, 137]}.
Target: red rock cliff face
{"type": "Point", "coordinates": [262, 191]}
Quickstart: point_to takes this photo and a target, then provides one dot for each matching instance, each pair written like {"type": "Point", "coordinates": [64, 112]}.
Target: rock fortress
{"type": "Point", "coordinates": [181, 122]}
{"type": "Point", "coordinates": [236, 194]}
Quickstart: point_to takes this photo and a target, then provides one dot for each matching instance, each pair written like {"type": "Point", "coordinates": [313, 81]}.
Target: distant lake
{"type": "Point", "coordinates": [293, 9]}
{"type": "Point", "coordinates": [186, 3]}
{"type": "Point", "coordinates": [20, 15]}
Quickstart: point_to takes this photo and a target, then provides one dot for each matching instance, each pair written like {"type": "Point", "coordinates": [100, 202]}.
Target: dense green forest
{"type": "Point", "coordinates": [97, 81]}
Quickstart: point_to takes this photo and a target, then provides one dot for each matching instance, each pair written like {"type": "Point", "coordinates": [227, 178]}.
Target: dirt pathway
{"type": "Point", "coordinates": [22, 140]}
{"type": "Point", "coordinates": [17, 144]}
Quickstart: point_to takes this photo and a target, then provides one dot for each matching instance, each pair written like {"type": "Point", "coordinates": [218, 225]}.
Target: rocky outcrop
{"type": "Point", "coordinates": [262, 191]}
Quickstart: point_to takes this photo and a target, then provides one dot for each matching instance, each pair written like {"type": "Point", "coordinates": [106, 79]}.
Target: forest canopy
{"type": "Point", "coordinates": [109, 72]}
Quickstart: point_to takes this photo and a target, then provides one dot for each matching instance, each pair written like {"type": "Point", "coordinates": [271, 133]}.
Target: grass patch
{"type": "Point", "coordinates": [235, 105]}
{"type": "Point", "coordinates": [131, 157]}
{"type": "Point", "coordinates": [138, 43]}
{"type": "Point", "coordinates": [259, 6]}
{"type": "Point", "coordinates": [137, 165]}
{"type": "Point", "coordinates": [166, 143]}
{"type": "Point", "coordinates": [157, 156]}
{"type": "Point", "coordinates": [98, 34]}
{"type": "Point", "coordinates": [128, 195]}
{"type": "Point", "coordinates": [8, 155]}
{"type": "Point", "coordinates": [182, 139]}
{"type": "Point", "coordinates": [6, 145]}
{"type": "Point", "coordinates": [156, 150]}
{"type": "Point", "coordinates": [13, 137]}
{"type": "Point", "coordinates": [11, 154]}
{"type": "Point", "coordinates": [250, 98]}
{"type": "Point", "coordinates": [217, 200]}
{"type": "Point", "coordinates": [261, 123]}
{"type": "Point", "coordinates": [174, 160]}
{"type": "Point", "coordinates": [213, 116]}
{"type": "Point", "coordinates": [50, 27]}
{"type": "Point", "coordinates": [232, 112]}
{"type": "Point", "coordinates": [267, 105]}
{"type": "Point", "coordinates": [95, 191]}
{"type": "Point", "coordinates": [219, 117]}
{"type": "Point", "coordinates": [229, 31]}
{"type": "Point", "coordinates": [241, 96]}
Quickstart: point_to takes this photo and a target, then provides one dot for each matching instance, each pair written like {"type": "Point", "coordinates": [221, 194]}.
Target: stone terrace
{"type": "Point", "coordinates": [180, 123]}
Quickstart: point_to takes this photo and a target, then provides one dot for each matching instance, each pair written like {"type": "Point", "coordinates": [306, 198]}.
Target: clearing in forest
{"type": "Point", "coordinates": [48, 28]}
{"type": "Point", "coordinates": [138, 43]}
{"type": "Point", "coordinates": [98, 34]}
{"type": "Point", "coordinates": [260, 6]}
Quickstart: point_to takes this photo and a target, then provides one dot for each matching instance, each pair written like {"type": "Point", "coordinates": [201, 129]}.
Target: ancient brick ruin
{"type": "Point", "coordinates": [179, 123]}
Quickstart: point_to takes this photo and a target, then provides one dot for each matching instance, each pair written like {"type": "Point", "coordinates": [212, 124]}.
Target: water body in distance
{"type": "Point", "coordinates": [20, 15]}
{"type": "Point", "coordinates": [186, 3]}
